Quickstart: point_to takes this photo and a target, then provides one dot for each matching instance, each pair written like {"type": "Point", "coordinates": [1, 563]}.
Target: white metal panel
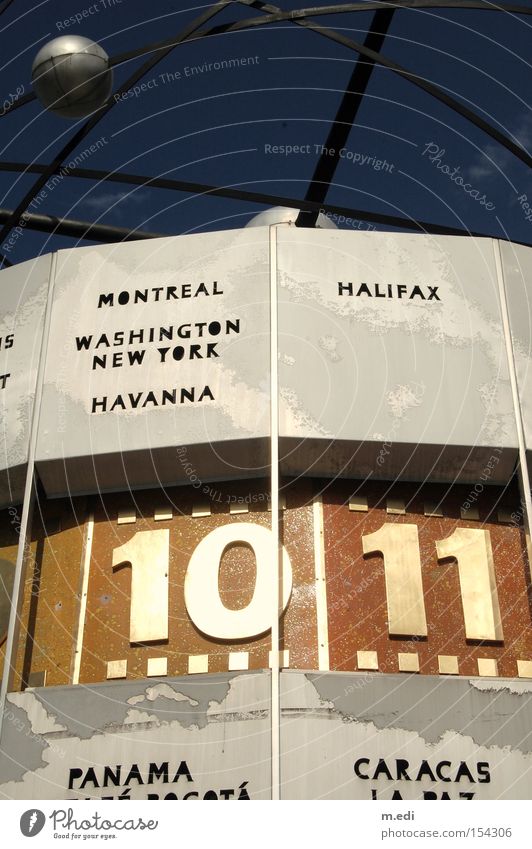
{"type": "Point", "coordinates": [372, 736]}
{"type": "Point", "coordinates": [183, 738]}
{"type": "Point", "coordinates": [392, 346]}
{"type": "Point", "coordinates": [164, 344]}
{"type": "Point", "coordinates": [24, 290]}
{"type": "Point", "coordinates": [517, 272]}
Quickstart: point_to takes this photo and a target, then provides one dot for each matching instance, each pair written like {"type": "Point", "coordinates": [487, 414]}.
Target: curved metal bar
{"type": "Point", "coordinates": [106, 233]}
{"type": "Point", "coordinates": [4, 6]}
{"type": "Point", "coordinates": [371, 5]}
{"type": "Point", "coordinates": [412, 224]}
{"type": "Point", "coordinates": [481, 5]}
{"type": "Point", "coordinates": [403, 72]}
{"type": "Point", "coordinates": [337, 9]}
{"type": "Point", "coordinates": [317, 11]}
{"type": "Point", "coordinates": [345, 117]}
{"type": "Point", "coordinates": [295, 16]}
{"type": "Point", "coordinates": [20, 101]}
{"type": "Point", "coordinates": [97, 117]}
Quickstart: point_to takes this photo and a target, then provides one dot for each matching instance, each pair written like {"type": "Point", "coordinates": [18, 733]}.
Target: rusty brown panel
{"type": "Point", "coordinates": [299, 627]}
{"type": "Point", "coordinates": [9, 523]}
{"type": "Point", "coordinates": [106, 635]}
{"type": "Point", "coordinates": [50, 605]}
{"type": "Point", "coordinates": [356, 590]}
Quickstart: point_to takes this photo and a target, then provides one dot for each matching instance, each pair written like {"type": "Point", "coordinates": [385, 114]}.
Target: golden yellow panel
{"type": "Point", "coordinates": [9, 520]}
{"type": "Point", "coordinates": [50, 606]}
{"type": "Point", "coordinates": [107, 632]}
{"type": "Point", "coordinates": [357, 591]}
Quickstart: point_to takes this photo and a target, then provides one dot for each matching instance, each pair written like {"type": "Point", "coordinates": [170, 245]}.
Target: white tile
{"type": "Point", "coordinates": [358, 503]}
{"type": "Point", "coordinates": [487, 667]}
{"type": "Point", "coordinates": [448, 664]}
{"type": "Point", "coordinates": [201, 509]}
{"type": "Point", "coordinates": [524, 668]}
{"type": "Point", "coordinates": [408, 661]}
{"type": "Point", "coordinates": [395, 506]}
{"type": "Point", "coordinates": [432, 509]}
{"type": "Point", "coordinates": [163, 514]}
{"type": "Point", "coordinates": [238, 660]}
{"type": "Point", "coordinates": [127, 517]}
{"type": "Point", "coordinates": [367, 660]}
{"type": "Point", "coordinates": [198, 663]}
{"type": "Point", "coordinates": [116, 669]}
{"type": "Point", "coordinates": [157, 666]}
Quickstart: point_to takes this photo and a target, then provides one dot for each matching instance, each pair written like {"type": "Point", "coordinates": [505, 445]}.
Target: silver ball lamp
{"type": "Point", "coordinates": [286, 215]}
{"type": "Point", "coordinates": [72, 76]}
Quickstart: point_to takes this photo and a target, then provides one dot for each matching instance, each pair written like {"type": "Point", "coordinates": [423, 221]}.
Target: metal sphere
{"type": "Point", "coordinates": [71, 76]}
{"type": "Point", "coordinates": [286, 215]}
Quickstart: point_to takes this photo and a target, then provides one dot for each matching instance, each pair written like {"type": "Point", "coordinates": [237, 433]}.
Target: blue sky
{"type": "Point", "coordinates": [283, 87]}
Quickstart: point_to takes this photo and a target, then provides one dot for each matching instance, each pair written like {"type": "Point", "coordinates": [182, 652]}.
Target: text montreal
{"type": "Point", "coordinates": [158, 293]}
{"type": "Point", "coordinates": [389, 290]}
{"type": "Point", "coordinates": [160, 398]}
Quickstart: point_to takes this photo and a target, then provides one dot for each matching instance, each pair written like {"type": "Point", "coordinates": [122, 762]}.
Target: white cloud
{"type": "Point", "coordinates": [108, 200]}
{"type": "Point", "coordinates": [497, 160]}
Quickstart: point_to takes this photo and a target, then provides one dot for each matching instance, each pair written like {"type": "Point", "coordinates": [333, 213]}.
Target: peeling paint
{"type": "Point", "coordinates": [21, 751]}
{"type": "Point", "coordinates": [195, 720]}
{"type": "Point", "coordinates": [432, 706]}
{"type": "Point", "coordinates": [495, 685]}
{"type": "Point", "coordinates": [162, 691]}
{"type": "Point", "coordinates": [41, 721]}
{"type": "Point", "coordinates": [89, 710]}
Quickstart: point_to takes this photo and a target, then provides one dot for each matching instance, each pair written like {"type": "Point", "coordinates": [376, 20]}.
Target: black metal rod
{"type": "Point", "coordinates": [295, 16]}
{"type": "Point", "coordinates": [80, 229]}
{"type": "Point", "coordinates": [5, 5]}
{"type": "Point", "coordinates": [97, 117]}
{"type": "Point", "coordinates": [10, 106]}
{"type": "Point", "coordinates": [317, 11]}
{"type": "Point", "coordinates": [346, 114]}
{"type": "Point", "coordinates": [253, 197]}
{"type": "Point", "coordinates": [337, 9]}
{"type": "Point", "coordinates": [403, 72]}
{"type": "Point", "coordinates": [299, 17]}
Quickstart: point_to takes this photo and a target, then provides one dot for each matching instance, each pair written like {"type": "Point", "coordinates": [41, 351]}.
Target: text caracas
{"type": "Point", "coordinates": [388, 290]}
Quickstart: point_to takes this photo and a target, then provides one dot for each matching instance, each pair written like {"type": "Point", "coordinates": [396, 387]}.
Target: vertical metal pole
{"type": "Point", "coordinates": [275, 706]}
{"type": "Point", "coordinates": [83, 590]}
{"type": "Point", "coordinates": [17, 596]}
{"type": "Point", "coordinates": [524, 478]}
{"type": "Point", "coordinates": [321, 586]}
{"type": "Point", "coordinates": [27, 509]}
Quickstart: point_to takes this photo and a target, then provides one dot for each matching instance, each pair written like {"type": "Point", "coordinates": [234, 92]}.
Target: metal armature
{"type": "Point", "coordinates": [406, 74]}
{"type": "Point", "coordinates": [5, 5]}
{"type": "Point", "coordinates": [229, 192]}
{"type": "Point", "coordinates": [79, 229]}
{"type": "Point", "coordinates": [71, 145]}
{"type": "Point", "coordinates": [345, 117]}
{"type": "Point", "coordinates": [369, 56]}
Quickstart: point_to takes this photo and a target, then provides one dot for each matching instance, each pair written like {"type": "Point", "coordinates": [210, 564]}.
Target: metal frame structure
{"type": "Point", "coordinates": [369, 56]}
